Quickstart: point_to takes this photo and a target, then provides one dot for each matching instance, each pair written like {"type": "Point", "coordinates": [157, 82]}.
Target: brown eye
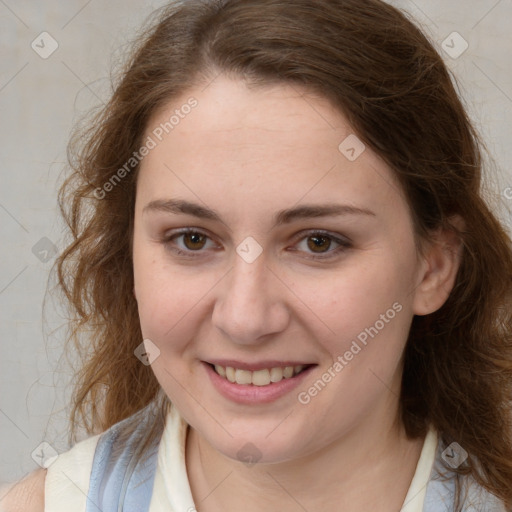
{"type": "Point", "coordinates": [188, 242]}
{"type": "Point", "coordinates": [319, 243]}
{"type": "Point", "coordinates": [193, 241]}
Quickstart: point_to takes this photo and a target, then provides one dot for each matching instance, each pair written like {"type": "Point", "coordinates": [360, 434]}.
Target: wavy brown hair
{"type": "Point", "coordinates": [374, 65]}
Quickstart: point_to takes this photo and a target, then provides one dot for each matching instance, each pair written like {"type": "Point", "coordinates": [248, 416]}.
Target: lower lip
{"type": "Point", "coordinates": [251, 394]}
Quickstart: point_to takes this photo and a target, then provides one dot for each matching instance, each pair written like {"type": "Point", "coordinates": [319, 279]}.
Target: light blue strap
{"type": "Point", "coordinates": [440, 493]}
{"type": "Point", "coordinates": [120, 481]}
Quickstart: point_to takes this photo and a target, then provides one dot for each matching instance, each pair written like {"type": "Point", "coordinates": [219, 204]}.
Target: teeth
{"type": "Point", "coordinates": [230, 374]}
{"type": "Point", "coordinates": [220, 370]}
{"type": "Point", "coordinates": [288, 372]}
{"type": "Point", "coordinates": [259, 377]}
{"type": "Point", "coordinates": [243, 377]}
{"type": "Point", "coordinates": [276, 374]}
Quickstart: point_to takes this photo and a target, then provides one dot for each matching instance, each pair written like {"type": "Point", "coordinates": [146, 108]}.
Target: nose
{"type": "Point", "coordinates": [250, 304]}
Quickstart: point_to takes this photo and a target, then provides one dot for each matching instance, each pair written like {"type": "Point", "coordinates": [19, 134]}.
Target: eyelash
{"type": "Point", "coordinates": [167, 241]}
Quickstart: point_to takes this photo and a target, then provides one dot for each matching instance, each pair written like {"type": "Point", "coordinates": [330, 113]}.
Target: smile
{"type": "Point", "coordinates": [256, 383]}
{"type": "Point", "coordinates": [261, 377]}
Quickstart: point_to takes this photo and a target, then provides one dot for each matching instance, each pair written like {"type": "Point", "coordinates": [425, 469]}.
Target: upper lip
{"type": "Point", "coordinates": [259, 365]}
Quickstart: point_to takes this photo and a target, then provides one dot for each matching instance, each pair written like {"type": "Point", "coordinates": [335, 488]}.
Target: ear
{"type": "Point", "coordinates": [439, 269]}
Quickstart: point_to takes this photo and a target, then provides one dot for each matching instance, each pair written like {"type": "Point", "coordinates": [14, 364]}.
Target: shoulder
{"type": "Point", "coordinates": [26, 495]}
{"type": "Point", "coordinates": [68, 477]}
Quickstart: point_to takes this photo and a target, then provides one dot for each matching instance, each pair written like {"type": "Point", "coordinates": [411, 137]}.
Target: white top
{"type": "Point", "coordinates": [67, 479]}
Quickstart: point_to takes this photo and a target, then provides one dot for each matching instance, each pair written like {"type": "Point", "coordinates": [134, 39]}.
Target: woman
{"type": "Point", "coordinates": [279, 229]}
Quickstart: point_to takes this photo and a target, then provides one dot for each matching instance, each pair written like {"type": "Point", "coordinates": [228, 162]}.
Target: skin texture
{"type": "Point", "coordinates": [248, 153]}
{"type": "Point", "coordinates": [27, 495]}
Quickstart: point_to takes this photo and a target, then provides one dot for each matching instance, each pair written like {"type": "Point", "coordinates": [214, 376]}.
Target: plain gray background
{"type": "Point", "coordinates": [41, 99]}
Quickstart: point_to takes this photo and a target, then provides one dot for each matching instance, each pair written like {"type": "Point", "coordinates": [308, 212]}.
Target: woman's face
{"type": "Point", "coordinates": [247, 292]}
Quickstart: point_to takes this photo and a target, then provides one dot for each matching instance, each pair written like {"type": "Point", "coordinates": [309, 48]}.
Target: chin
{"type": "Point", "coordinates": [251, 446]}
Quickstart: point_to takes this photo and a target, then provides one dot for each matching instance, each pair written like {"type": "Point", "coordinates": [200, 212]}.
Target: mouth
{"type": "Point", "coordinates": [256, 383]}
{"type": "Point", "coordinates": [260, 377]}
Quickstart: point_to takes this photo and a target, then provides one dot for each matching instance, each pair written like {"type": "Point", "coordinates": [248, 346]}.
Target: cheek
{"type": "Point", "coordinates": [169, 299]}
{"type": "Point", "coordinates": [352, 299]}
{"type": "Point", "coordinates": [156, 287]}
{"type": "Point", "coordinates": [363, 329]}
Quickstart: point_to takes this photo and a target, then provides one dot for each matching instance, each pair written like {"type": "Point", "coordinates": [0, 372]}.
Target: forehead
{"type": "Point", "coordinates": [258, 147]}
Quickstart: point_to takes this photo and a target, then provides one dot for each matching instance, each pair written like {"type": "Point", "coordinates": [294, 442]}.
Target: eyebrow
{"type": "Point", "coordinates": [178, 206]}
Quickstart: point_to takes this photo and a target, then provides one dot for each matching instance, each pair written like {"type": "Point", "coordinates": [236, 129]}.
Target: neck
{"type": "Point", "coordinates": [369, 468]}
